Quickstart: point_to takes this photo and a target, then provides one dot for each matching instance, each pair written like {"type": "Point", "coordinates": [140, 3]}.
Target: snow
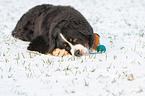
{"type": "Point", "coordinates": [121, 26]}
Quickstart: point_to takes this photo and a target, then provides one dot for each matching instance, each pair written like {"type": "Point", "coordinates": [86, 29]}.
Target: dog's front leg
{"type": "Point", "coordinates": [59, 52]}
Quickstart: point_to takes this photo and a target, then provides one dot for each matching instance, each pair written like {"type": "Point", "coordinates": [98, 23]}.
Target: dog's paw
{"type": "Point", "coordinates": [59, 52]}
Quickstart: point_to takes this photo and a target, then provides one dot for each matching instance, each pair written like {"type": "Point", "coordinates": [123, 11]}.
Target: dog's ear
{"type": "Point", "coordinates": [85, 29]}
{"type": "Point", "coordinates": [38, 44]}
{"type": "Point", "coordinates": [88, 31]}
{"type": "Point", "coordinates": [96, 41]}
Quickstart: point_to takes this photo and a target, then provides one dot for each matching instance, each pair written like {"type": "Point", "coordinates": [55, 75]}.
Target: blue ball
{"type": "Point", "coordinates": [101, 49]}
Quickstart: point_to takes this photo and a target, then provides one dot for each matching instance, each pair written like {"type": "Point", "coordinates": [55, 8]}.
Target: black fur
{"type": "Point", "coordinates": [38, 44]}
{"type": "Point", "coordinates": [42, 24]}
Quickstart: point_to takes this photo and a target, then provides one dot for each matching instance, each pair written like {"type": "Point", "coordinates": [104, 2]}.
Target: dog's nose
{"type": "Point", "coordinates": [78, 53]}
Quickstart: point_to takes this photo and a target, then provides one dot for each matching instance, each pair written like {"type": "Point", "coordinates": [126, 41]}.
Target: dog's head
{"type": "Point", "coordinates": [72, 33]}
{"type": "Point", "coordinates": [76, 42]}
{"type": "Point", "coordinates": [74, 45]}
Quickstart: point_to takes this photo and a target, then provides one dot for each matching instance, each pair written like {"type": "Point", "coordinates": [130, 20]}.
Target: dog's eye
{"type": "Point", "coordinates": [66, 46]}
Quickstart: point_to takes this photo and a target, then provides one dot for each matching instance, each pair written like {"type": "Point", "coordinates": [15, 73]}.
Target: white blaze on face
{"type": "Point", "coordinates": [74, 48]}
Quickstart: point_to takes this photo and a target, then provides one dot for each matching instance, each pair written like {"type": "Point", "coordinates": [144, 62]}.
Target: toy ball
{"type": "Point", "coordinates": [101, 49]}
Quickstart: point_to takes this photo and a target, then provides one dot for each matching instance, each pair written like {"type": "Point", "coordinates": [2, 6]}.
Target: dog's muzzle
{"type": "Point", "coordinates": [76, 50]}
{"type": "Point", "coordinates": [79, 50]}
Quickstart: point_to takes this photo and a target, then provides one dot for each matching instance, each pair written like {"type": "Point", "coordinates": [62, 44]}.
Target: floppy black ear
{"type": "Point", "coordinates": [88, 31]}
{"type": "Point", "coordinates": [38, 44]}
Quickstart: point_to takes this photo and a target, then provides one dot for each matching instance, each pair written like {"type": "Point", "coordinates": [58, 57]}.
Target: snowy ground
{"type": "Point", "coordinates": [118, 72]}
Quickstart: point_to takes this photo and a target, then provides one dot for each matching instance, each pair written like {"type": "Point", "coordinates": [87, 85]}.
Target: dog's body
{"type": "Point", "coordinates": [49, 27]}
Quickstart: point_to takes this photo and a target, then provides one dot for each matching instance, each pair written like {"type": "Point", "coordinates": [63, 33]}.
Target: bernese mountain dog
{"type": "Point", "coordinates": [58, 30]}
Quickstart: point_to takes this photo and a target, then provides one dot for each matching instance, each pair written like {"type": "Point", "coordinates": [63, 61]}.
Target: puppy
{"type": "Point", "coordinates": [57, 30]}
